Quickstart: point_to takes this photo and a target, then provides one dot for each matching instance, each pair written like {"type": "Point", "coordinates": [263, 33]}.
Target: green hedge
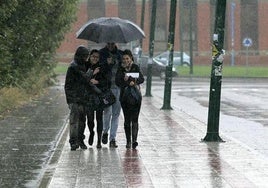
{"type": "Point", "coordinates": [31, 31]}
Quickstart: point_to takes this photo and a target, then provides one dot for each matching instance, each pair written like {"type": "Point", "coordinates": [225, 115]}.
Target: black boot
{"type": "Point", "coordinates": [135, 129]}
{"type": "Point", "coordinates": [113, 144]}
{"type": "Point", "coordinates": [128, 136]}
{"type": "Point", "coordinates": [91, 138]}
{"type": "Point", "coordinates": [105, 138]}
{"type": "Point", "coordinates": [74, 147]}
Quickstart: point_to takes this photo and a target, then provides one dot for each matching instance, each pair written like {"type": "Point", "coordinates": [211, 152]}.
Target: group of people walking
{"type": "Point", "coordinates": [92, 73]}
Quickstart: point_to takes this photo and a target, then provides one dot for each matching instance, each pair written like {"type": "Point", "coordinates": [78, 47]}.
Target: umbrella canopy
{"type": "Point", "coordinates": [110, 29]}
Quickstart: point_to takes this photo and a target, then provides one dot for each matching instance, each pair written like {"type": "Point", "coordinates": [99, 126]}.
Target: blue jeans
{"type": "Point", "coordinates": [111, 116]}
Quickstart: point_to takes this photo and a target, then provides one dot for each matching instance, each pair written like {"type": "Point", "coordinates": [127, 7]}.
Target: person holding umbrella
{"type": "Point", "coordinates": [129, 78]}
{"type": "Point", "coordinates": [110, 57]}
{"type": "Point", "coordinates": [110, 30]}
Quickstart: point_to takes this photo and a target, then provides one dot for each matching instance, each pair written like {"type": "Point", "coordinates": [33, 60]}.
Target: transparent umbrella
{"type": "Point", "coordinates": [110, 29]}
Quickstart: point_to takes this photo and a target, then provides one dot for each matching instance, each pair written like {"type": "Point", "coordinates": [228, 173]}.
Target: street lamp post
{"type": "Point", "coordinates": [151, 51]}
{"type": "Point", "coordinates": [233, 5]}
{"type": "Point", "coordinates": [142, 18]}
{"type": "Point", "coordinates": [168, 78]}
{"type": "Point", "coordinates": [191, 37]}
{"type": "Point", "coordinates": [216, 75]}
{"type": "Point", "coordinates": [181, 28]}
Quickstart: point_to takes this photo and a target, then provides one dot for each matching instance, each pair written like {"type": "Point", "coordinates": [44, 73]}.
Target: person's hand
{"type": "Point", "coordinates": [132, 83]}
{"type": "Point", "coordinates": [96, 70]}
{"type": "Point", "coordinates": [93, 81]}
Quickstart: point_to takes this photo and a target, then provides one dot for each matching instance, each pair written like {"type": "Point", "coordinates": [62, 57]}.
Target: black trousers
{"type": "Point", "coordinates": [99, 119]}
{"type": "Point", "coordinates": [90, 115]}
{"type": "Point", "coordinates": [131, 118]}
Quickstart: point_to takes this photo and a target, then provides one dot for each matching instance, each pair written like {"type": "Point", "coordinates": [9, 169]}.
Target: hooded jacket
{"type": "Point", "coordinates": [77, 79]}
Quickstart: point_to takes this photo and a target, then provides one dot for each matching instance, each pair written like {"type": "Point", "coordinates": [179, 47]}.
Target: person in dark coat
{"type": "Point", "coordinates": [102, 81]}
{"type": "Point", "coordinates": [110, 57]}
{"type": "Point", "coordinates": [129, 77]}
{"type": "Point", "coordinates": [76, 82]}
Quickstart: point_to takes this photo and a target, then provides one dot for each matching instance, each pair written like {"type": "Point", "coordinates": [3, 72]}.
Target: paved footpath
{"type": "Point", "coordinates": [170, 154]}
{"type": "Point", "coordinates": [35, 152]}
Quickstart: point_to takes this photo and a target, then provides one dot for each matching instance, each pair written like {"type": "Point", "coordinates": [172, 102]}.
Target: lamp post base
{"type": "Point", "coordinates": [212, 137]}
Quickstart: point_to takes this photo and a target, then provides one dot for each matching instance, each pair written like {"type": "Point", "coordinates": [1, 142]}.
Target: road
{"type": "Point", "coordinates": [244, 106]}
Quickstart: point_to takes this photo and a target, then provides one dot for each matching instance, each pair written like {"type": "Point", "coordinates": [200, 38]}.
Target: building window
{"type": "Point", "coordinates": [127, 10]}
{"type": "Point", "coordinates": [161, 26]}
{"type": "Point", "coordinates": [212, 13]}
{"type": "Point", "coordinates": [189, 19]}
{"type": "Point", "coordinates": [96, 8]}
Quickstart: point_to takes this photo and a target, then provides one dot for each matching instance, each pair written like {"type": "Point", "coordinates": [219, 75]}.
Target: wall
{"type": "Point", "coordinates": [202, 56]}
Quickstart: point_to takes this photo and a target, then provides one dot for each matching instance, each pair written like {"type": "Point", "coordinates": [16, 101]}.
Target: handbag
{"type": "Point", "coordinates": [132, 95]}
{"type": "Point", "coordinates": [107, 98]}
{"type": "Point", "coordinates": [93, 102]}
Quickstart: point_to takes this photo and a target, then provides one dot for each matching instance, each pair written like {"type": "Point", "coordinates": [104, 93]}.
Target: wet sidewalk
{"type": "Point", "coordinates": [28, 137]}
{"type": "Point", "coordinates": [170, 154]}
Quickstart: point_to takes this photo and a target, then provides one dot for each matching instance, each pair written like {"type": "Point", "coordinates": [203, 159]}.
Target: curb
{"type": "Point", "coordinates": [51, 165]}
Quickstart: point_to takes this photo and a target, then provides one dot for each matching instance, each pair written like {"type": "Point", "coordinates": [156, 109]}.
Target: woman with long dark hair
{"type": "Point", "coordinates": [99, 78]}
{"type": "Point", "coordinates": [128, 78]}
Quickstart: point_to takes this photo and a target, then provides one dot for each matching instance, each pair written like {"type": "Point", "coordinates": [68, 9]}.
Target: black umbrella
{"type": "Point", "coordinates": [110, 29]}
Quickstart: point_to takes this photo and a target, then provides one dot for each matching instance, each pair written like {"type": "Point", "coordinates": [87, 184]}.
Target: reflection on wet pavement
{"type": "Point", "coordinates": [134, 170]}
{"type": "Point", "coordinates": [170, 151]}
{"type": "Point", "coordinates": [243, 108]}
{"type": "Point", "coordinates": [170, 154]}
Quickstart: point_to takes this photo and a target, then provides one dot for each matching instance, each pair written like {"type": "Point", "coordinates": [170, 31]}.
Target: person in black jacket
{"type": "Point", "coordinates": [100, 78]}
{"type": "Point", "coordinates": [110, 57]}
{"type": "Point", "coordinates": [128, 78]}
{"type": "Point", "coordinates": [76, 82]}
